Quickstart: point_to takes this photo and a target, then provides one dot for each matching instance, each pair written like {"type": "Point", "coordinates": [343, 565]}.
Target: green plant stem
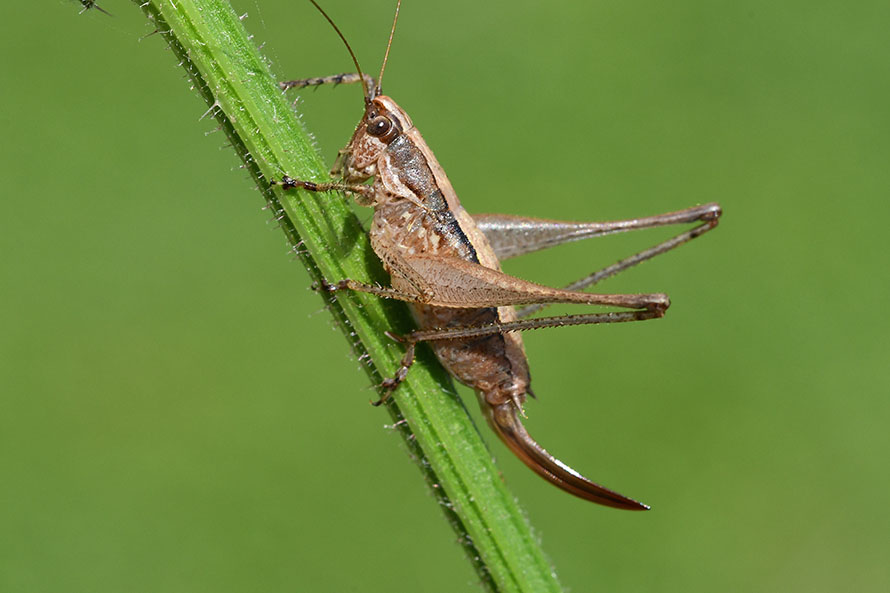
{"type": "Point", "coordinates": [227, 70]}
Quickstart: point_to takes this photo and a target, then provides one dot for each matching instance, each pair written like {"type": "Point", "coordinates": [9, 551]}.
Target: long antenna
{"type": "Point", "coordinates": [351, 53]}
{"type": "Point", "coordinates": [392, 32]}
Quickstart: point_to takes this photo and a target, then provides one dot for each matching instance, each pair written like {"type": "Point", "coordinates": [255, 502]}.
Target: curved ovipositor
{"type": "Point", "coordinates": [504, 420]}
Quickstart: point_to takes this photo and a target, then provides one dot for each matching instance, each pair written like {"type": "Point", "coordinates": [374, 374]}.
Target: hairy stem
{"type": "Point", "coordinates": [212, 45]}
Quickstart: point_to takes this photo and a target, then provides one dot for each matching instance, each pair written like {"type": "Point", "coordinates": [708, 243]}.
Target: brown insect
{"type": "Point", "coordinates": [445, 264]}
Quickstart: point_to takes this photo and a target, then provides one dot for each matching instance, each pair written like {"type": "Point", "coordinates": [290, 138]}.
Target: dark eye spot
{"type": "Point", "coordinates": [379, 126]}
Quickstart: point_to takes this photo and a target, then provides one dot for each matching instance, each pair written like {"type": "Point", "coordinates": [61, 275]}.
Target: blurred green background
{"type": "Point", "coordinates": [177, 413]}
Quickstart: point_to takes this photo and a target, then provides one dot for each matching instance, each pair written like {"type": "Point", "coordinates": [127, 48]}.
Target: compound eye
{"type": "Point", "coordinates": [380, 126]}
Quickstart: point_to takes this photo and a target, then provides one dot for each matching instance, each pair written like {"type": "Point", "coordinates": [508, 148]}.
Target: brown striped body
{"type": "Point", "coordinates": [420, 218]}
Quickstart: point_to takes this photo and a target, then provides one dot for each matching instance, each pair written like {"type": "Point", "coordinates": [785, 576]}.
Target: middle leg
{"type": "Point", "coordinates": [455, 333]}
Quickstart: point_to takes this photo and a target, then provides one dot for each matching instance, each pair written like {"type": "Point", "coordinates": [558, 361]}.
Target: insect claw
{"type": "Point", "coordinates": [388, 385]}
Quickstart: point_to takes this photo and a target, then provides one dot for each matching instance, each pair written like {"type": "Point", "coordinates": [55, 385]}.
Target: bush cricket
{"type": "Point", "coordinates": [445, 264]}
